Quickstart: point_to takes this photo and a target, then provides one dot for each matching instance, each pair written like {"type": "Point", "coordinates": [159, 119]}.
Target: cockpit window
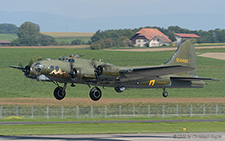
{"type": "Point", "coordinates": [51, 67]}
{"type": "Point", "coordinates": [56, 68]}
{"type": "Point", "coordinates": [71, 60]}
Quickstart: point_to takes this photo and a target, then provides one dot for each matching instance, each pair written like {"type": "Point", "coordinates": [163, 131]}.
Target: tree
{"type": "Point", "coordinates": [172, 37]}
{"type": "Point", "coordinates": [45, 40]}
{"type": "Point", "coordinates": [77, 42]}
{"type": "Point", "coordinates": [8, 28]}
{"type": "Point", "coordinates": [29, 35]}
{"type": "Point", "coordinates": [29, 30]}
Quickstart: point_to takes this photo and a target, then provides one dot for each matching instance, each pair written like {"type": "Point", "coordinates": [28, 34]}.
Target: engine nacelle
{"type": "Point", "coordinates": [107, 71]}
{"type": "Point", "coordinates": [76, 73]}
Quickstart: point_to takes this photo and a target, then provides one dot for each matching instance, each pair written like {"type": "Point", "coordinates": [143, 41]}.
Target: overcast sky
{"type": "Point", "coordinates": [90, 9]}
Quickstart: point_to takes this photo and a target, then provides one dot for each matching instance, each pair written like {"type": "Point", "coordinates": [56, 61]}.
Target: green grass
{"type": "Point", "coordinates": [67, 37]}
{"type": "Point", "coordinates": [209, 44]}
{"type": "Point", "coordinates": [14, 84]}
{"type": "Point", "coordinates": [9, 37]}
{"type": "Point", "coordinates": [63, 38]}
{"type": "Point", "coordinates": [102, 128]}
{"type": "Point", "coordinates": [110, 128]}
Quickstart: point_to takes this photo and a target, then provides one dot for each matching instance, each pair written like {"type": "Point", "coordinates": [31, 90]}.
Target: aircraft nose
{"type": "Point", "coordinates": [36, 68]}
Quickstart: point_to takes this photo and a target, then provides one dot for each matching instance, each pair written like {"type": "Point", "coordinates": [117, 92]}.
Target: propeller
{"type": "Point", "coordinates": [25, 69]}
{"type": "Point", "coordinates": [97, 69]}
{"type": "Point", "coordinates": [39, 58]}
{"type": "Point", "coordinates": [73, 71]}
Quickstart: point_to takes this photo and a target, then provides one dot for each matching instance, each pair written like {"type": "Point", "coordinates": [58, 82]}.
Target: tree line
{"type": "Point", "coordinates": [120, 37]}
{"type": "Point", "coordinates": [8, 28]}
{"type": "Point", "coordinates": [29, 35]}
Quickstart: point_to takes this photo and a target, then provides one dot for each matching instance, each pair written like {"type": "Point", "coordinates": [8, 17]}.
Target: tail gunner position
{"type": "Point", "coordinates": [179, 72]}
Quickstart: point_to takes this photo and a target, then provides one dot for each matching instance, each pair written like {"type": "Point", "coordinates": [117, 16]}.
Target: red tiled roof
{"type": "Point", "coordinates": [163, 39]}
{"type": "Point", "coordinates": [187, 35]}
{"type": "Point", "coordinates": [150, 33]}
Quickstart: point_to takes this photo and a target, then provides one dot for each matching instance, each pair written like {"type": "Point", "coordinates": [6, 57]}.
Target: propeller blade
{"type": "Point", "coordinates": [17, 67]}
{"type": "Point", "coordinates": [73, 71]}
{"type": "Point", "coordinates": [20, 64]}
{"type": "Point", "coordinates": [39, 58]}
{"type": "Point", "coordinates": [91, 61]}
{"type": "Point", "coordinates": [31, 62]}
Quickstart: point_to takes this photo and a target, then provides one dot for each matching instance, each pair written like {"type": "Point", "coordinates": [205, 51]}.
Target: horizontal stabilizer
{"type": "Point", "coordinates": [193, 79]}
{"type": "Point", "coordinates": [155, 71]}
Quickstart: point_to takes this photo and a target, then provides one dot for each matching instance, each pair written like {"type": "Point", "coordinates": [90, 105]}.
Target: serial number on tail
{"type": "Point", "coordinates": [181, 60]}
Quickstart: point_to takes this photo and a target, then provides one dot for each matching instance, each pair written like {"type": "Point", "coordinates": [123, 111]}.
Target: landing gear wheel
{"type": "Point", "coordinates": [165, 93]}
{"type": "Point", "coordinates": [59, 93]}
{"type": "Point", "coordinates": [95, 94]}
{"type": "Point", "coordinates": [119, 89]}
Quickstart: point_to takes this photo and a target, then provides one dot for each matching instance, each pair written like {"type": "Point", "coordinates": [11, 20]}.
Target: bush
{"type": "Point", "coordinates": [77, 42]}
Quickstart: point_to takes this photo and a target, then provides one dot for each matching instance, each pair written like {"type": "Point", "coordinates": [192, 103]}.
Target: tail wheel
{"type": "Point", "coordinates": [119, 89]}
{"type": "Point", "coordinates": [59, 94]}
{"type": "Point", "coordinates": [95, 94]}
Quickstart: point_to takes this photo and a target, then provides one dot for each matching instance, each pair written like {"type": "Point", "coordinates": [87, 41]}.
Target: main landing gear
{"type": "Point", "coordinates": [60, 92]}
{"type": "Point", "coordinates": [95, 94]}
{"type": "Point", "coordinates": [165, 93]}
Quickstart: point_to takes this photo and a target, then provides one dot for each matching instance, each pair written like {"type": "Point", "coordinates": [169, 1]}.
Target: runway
{"type": "Point", "coordinates": [217, 136]}
{"type": "Point", "coordinates": [112, 121]}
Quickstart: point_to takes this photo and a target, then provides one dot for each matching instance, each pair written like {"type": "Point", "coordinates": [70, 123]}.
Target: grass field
{"type": "Point", "coordinates": [68, 34]}
{"type": "Point", "coordinates": [14, 84]}
{"type": "Point", "coordinates": [103, 128]}
{"type": "Point", "coordinates": [9, 37]}
{"type": "Point", "coordinates": [210, 44]}
{"type": "Point", "coordinates": [112, 128]}
{"type": "Point", "coordinates": [67, 37]}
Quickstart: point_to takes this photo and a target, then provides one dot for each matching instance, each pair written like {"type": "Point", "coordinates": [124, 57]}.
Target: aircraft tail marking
{"type": "Point", "coordinates": [185, 55]}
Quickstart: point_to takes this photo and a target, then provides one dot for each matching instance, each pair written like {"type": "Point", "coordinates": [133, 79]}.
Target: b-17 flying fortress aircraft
{"type": "Point", "coordinates": [179, 72]}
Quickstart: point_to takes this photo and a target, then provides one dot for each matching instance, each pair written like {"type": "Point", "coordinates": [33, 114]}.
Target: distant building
{"type": "Point", "coordinates": [182, 36]}
{"type": "Point", "coordinates": [4, 43]}
{"type": "Point", "coordinates": [150, 37]}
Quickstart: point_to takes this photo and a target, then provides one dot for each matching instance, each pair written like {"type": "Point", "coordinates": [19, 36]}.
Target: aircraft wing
{"type": "Point", "coordinates": [152, 72]}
